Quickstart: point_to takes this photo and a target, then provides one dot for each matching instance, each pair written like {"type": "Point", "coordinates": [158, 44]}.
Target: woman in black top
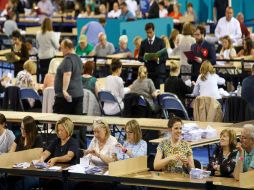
{"type": "Point", "coordinates": [65, 148]}
{"type": "Point", "coordinates": [29, 137]}
{"type": "Point", "coordinates": [176, 85]}
{"type": "Point", "coordinates": [20, 51]}
{"type": "Point", "coordinates": [222, 163]}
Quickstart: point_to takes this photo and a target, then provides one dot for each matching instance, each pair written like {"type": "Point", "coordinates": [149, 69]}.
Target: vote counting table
{"type": "Point", "coordinates": [145, 123]}
{"type": "Point", "coordinates": [132, 172]}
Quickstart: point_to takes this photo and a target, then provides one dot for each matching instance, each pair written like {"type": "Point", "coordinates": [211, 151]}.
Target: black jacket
{"type": "Point", "coordinates": [153, 11]}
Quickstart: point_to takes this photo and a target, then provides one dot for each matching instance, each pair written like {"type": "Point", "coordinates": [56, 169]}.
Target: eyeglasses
{"type": "Point", "coordinates": [129, 132]}
{"type": "Point", "coordinates": [99, 121]}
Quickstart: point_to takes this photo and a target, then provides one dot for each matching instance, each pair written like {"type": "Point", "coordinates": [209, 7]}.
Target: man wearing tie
{"type": "Point", "coordinates": [156, 66]}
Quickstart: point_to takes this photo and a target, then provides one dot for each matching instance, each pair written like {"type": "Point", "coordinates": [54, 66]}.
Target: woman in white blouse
{"type": "Point", "coordinates": [102, 145]}
{"type": "Point", "coordinates": [208, 81]}
{"type": "Point", "coordinates": [47, 44]}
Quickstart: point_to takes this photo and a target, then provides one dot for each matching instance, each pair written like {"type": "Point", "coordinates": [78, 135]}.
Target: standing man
{"type": "Point", "coordinates": [156, 66]}
{"type": "Point", "coordinates": [229, 26]}
{"type": "Point", "coordinates": [219, 8]}
{"type": "Point", "coordinates": [248, 88]}
{"type": "Point", "coordinates": [245, 155]}
{"type": "Point", "coordinates": [68, 85]}
{"type": "Point", "coordinates": [154, 10]}
{"type": "Point", "coordinates": [202, 51]}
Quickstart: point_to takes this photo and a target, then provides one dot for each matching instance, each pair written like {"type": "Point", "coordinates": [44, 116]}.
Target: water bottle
{"type": "Point", "coordinates": [239, 89]}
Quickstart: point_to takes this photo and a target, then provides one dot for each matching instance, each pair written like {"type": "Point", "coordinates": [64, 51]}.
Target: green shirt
{"type": "Point", "coordinates": [248, 160]}
{"type": "Point", "coordinates": [83, 52]}
{"type": "Point", "coordinates": [89, 83]}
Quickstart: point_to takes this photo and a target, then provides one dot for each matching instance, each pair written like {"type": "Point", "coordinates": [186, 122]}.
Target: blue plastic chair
{"type": "Point", "coordinates": [167, 94]}
{"type": "Point", "coordinates": [108, 97]}
{"type": "Point", "coordinates": [173, 103]}
{"type": "Point", "coordinates": [142, 101]}
{"type": "Point", "coordinates": [26, 93]}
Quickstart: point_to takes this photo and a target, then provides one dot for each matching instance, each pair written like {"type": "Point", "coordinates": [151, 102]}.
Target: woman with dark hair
{"type": "Point", "coordinates": [29, 137]}
{"type": "Point", "coordinates": [174, 154]}
{"type": "Point", "coordinates": [89, 81]}
{"type": "Point", "coordinates": [222, 163]}
{"type": "Point", "coordinates": [19, 50]}
{"type": "Point", "coordinates": [47, 43]}
{"type": "Point", "coordinates": [6, 136]}
{"type": "Point", "coordinates": [248, 48]}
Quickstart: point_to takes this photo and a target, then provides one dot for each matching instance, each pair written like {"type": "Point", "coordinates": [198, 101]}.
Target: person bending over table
{"type": "Point", "coordinates": [133, 146]}
{"type": "Point", "coordinates": [64, 149]}
{"type": "Point", "coordinates": [174, 154]}
{"type": "Point", "coordinates": [101, 147]}
{"type": "Point", "coordinates": [6, 136]}
{"type": "Point", "coordinates": [222, 163]}
{"type": "Point", "coordinates": [29, 137]}
{"type": "Point", "coordinates": [245, 155]}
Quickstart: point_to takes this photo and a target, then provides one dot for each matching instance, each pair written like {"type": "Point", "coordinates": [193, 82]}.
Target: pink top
{"type": "Point", "coordinates": [49, 80]}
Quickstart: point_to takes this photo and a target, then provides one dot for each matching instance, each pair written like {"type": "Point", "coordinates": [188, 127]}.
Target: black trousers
{"type": "Point", "coordinates": [42, 69]}
{"type": "Point", "coordinates": [75, 107]}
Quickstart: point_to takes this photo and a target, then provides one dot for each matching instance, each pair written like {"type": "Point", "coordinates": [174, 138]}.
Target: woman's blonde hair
{"type": "Point", "coordinates": [166, 41]}
{"type": "Point", "coordinates": [206, 67]}
{"type": "Point", "coordinates": [67, 124]}
{"type": "Point", "coordinates": [188, 29]}
{"type": "Point", "coordinates": [230, 44]}
{"type": "Point", "coordinates": [30, 67]}
{"type": "Point", "coordinates": [232, 138]}
{"type": "Point", "coordinates": [46, 25]}
{"type": "Point", "coordinates": [174, 66]}
{"type": "Point", "coordinates": [174, 34]}
{"type": "Point", "coordinates": [136, 39]}
{"type": "Point", "coordinates": [134, 127]}
{"type": "Point", "coordinates": [102, 125]}
{"type": "Point", "coordinates": [142, 72]}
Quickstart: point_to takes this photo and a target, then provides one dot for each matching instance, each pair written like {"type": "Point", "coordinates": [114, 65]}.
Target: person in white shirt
{"type": "Point", "coordinates": [47, 43]}
{"type": "Point", "coordinates": [132, 6]}
{"type": "Point", "coordinates": [115, 13]}
{"type": "Point", "coordinates": [45, 9]}
{"type": "Point", "coordinates": [102, 146]}
{"type": "Point", "coordinates": [162, 11]}
{"type": "Point", "coordinates": [208, 81]}
{"type": "Point", "coordinates": [114, 83]}
{"type": "Point", "coordinates": [230, 26]}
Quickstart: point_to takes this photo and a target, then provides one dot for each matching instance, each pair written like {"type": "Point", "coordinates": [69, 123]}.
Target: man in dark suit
{"type": "Point", "coordinates": [153, 11]}
{"type": "Point", "coordinates": [156, 66]}
{"type": "Point", "coordinates": [248, 88]}
{"type": "Point", "coordinates": [202, 51]}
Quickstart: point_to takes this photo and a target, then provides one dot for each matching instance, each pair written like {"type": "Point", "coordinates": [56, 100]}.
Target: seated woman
{"type": "Point", "coordinates": [6, 136]}
{"type": "Point", "coordinates": [24, 77]}
{"type": "Point", "coordinates": [50, 76]}
{"type": "Point", "coordinates": [88, 81]}
{"type": "Point", "coordinates": [123, 46]}
{"type": "Point", "coordinates": [227, 50]}
{"type": "Point", "coordinates": [64, 149]}
{"type": "Point", "coordinates": [19, 50]}
{"type": "Point", "coordinates": [101, 147]}
{"type": "Point", "coordinates": [248, 48]}
{"type": "Point", "coordinates": [137, 42]}
{"type": "Point", "coordinates": [208, 81]}
{"type": "Point", "coordinates": [29, 137]}
{"type": "Point", "coordinates": [176, 85]}
{"type": "Point", "coordinates": [133, 146]}
{"type": "Point", "coordinates": [175, 14]}
{"type": "Point", "coordinates": [145, 87]}
{"type": "Point", "coordinates": [222, 163]}
{"type": "Point", "coordinates": [114, 84]}
{"type": "Point", "coordinates": [174, 154]}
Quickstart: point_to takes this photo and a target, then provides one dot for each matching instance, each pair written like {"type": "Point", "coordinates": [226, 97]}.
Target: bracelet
{"type": "Point", "coordinates": [124, 150]}
{"type": "Point", "coordinates": [241, 158]}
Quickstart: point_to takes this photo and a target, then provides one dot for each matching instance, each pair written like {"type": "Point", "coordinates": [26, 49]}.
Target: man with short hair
{"type": "Point", "coordinates": [84, 48]}
{"type": "Point", "coordinates": [104, 48]}
{"type": "Point", "coordinates": [125, 13]}
{"type": "Point", "coordinates": [244, 29]}
{"type": "Point", "coordinates": [248, 88]}
{"type": "Point", "coordinates": [245, 155]}
{"type": "Point", "coordinates": [156, 66]}
{"type": "Point", "coordinates": [229, 26]}
{"type": "Point", "coordinates": [202, 50]}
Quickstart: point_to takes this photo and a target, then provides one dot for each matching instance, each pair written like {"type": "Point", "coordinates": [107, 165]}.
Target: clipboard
{"type": "Point", "coordinates": [190, 55]}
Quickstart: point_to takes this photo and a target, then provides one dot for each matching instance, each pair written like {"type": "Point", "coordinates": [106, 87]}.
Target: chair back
{"type": "Point", "coordinates": [90, 103]}
{"type": "Point", "coordinates": [142, 101]}
{"type": "Point", "coordinates": [173, 103]}
{"type": "Point", "coordinates": [26, 93]}
{"type": "Point", "coordinates": [107, 97]}
{"type": "Point", "coordinates": [163, 95]}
